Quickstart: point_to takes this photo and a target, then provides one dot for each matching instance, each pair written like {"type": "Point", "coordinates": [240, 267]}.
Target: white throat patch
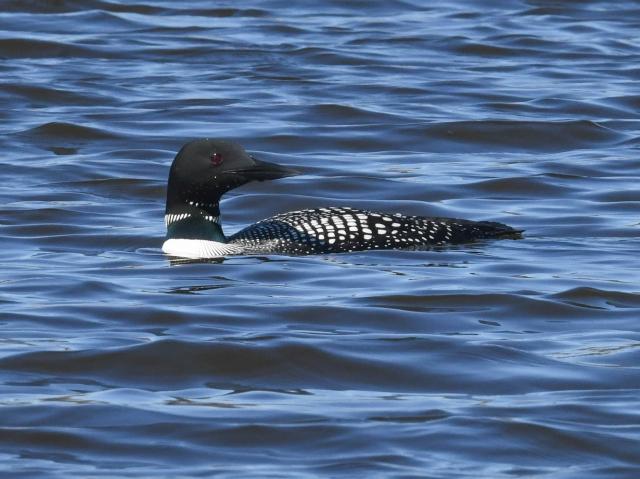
{"type": "Point", "coordinates": [195, 248]}
{"type": "Point", "coordinates": [168, 219]}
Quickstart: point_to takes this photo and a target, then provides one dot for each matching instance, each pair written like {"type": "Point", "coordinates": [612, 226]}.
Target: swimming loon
{"type": "Point", "coordinates": [203, 170]}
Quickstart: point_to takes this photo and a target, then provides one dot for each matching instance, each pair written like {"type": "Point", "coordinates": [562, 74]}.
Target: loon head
{"type": "Point", "coordinates": [203, 170]}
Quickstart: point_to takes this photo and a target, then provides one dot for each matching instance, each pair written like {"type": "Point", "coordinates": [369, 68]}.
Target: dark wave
{"type": "Point", "coordinates": [596, 298]}
{"type": "Point", "coordinates": [523, 135]}
{"type": "Point", "coordinates": [290, 365]}
{"type": "Point", "coordinates": [33, 48]}
{"type": "Point", "coordinates": [57, 130]}
{"type": "Point", "coordinates": [51, 95]}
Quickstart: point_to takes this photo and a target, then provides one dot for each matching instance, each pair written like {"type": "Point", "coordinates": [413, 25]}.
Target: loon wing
{"type": "Point", "coordinates": [336, 230]}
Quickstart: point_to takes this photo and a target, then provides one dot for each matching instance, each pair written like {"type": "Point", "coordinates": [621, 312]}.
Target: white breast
{"type": "Point", "coordinates": [193, 248]}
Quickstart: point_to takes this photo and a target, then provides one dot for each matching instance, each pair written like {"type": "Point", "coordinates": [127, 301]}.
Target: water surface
{"type": "Point", "coordinates": [499, 359]}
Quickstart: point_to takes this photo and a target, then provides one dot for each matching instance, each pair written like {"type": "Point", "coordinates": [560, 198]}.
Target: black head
{"type": "Point", "coordinates": [203, 170]}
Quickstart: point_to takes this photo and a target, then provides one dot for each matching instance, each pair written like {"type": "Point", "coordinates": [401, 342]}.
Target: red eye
{"type": "Point", "coordinates": [216, 159]}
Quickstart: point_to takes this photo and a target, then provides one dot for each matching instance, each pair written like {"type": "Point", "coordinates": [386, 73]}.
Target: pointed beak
{"type": "Point", "coordinates": [263, 170]}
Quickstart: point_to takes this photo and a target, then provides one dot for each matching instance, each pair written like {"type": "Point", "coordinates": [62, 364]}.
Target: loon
{"type": "Point", "coordinates": [205, 169]}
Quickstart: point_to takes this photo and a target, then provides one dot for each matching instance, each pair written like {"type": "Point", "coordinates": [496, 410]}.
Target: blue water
{"type": "Point", "coordinates": [498, 359]}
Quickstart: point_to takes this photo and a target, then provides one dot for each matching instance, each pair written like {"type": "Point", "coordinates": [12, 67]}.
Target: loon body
{"type": "Point", "coordinates": [203, 170]}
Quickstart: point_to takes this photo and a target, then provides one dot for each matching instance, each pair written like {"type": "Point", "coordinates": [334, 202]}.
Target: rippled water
{"type": "Point", "coordinates": [497, 359]}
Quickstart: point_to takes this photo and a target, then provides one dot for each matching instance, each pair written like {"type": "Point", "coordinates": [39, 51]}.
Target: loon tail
{"type": "Point", "coordinates": [492, 229]}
